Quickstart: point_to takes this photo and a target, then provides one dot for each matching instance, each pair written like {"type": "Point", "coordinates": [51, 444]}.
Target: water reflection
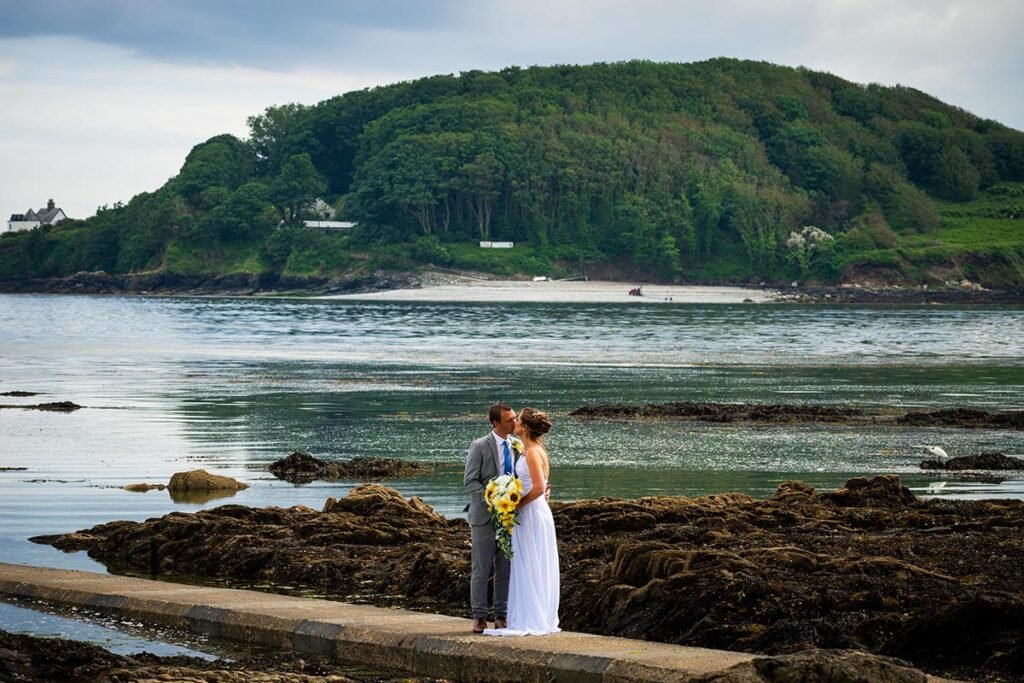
{"type": "Point", "coordinates": [120, 636]}
{"type": "Point", "coordinates": [199, 497]}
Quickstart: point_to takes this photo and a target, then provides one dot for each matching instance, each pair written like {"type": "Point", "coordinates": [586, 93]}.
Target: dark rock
{"type": "Point", "coordinates": [29, 658]}
{"type": "Point", "coordinates": [818, 666]}
{"type": "Point", "coordinates": [722, 412]}
{"type": "Point", "coordinates": [298, 467]}
{"type": "Point", "coordinates": [884, 490]}
{"type": "Point", "coordinates": [964, 418]}
{"type": "Point", "coordinates": [18, 393]}
{"type": "Point", "coordinates": [302, 468]}
{"type": "Point", "coordinates": [981, 635]}
{"type": "Point", "coordinates": [983, 461]}
{"type": "Point", "coordinates": [860, 568]}
{"type": "Point", "coordinates": [58, 407]}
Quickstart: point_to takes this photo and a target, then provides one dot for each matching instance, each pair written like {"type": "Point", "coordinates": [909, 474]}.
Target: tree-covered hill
{"type": "Point", "coordinates": [722, 170]}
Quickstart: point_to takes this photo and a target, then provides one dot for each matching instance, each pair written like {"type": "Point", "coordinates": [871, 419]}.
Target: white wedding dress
{"type": "Point", "coordinates": [533, 582]}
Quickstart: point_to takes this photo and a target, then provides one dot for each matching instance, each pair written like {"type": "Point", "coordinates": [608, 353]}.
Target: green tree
{"type": "Point", "coordinates": [295, 187]}
{"type": "Point", "coordinates": [223, 161]}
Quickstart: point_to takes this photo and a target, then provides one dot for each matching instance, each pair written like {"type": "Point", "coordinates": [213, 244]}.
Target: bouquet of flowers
{"type": "Point", "coordinates": [502, 496]}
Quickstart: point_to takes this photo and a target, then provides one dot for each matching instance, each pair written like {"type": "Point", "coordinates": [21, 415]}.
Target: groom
{"type": "Point", "coordinates": [489, 456]}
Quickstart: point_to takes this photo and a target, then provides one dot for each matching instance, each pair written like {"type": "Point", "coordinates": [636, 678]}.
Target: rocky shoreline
{"type": "Point", "coordinates": [235, 284]}
{"type": "Point", "coordinates": [869, 567]}
{"type": "Point", "coordinates": [910, 295]}
{"type": "Point", "coordinates": [768, 413]}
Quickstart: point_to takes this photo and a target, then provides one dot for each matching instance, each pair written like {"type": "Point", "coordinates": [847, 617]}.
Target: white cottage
{"type": "Point", "coordinates": [51, 215]}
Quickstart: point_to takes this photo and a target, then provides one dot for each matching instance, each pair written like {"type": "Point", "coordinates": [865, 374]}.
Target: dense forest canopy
{"type": "Point", "coordinates": [723, 169]}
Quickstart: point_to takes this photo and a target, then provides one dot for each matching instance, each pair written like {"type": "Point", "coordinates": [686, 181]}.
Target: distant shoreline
{"type": "Point", "coordinates": [434, 286]}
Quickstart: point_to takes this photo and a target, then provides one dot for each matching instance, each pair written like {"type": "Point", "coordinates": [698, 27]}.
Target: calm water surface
{"type": "Point", "coordinates": [230, 385]}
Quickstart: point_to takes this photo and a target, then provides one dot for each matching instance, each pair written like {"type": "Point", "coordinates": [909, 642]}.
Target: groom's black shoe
{"type": "Point", "coordinates": [479, 625]}
{"type": "Point", "coordinates": [499, 622]}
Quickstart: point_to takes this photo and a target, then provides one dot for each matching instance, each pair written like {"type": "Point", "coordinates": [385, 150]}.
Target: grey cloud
{"type": "Point", "coordinates": [264, 33]}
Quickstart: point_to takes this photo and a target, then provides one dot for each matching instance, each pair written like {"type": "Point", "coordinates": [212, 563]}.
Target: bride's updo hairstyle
{"type": "Point", "coordinates": [537, 423]}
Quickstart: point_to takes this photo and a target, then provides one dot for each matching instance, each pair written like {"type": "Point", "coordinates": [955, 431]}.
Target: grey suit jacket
{"type": "Point", "coordinates": [483, 463]}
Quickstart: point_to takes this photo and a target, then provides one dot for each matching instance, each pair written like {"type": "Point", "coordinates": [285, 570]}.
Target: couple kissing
{"type": "Point", "coordinates": [525, 586]}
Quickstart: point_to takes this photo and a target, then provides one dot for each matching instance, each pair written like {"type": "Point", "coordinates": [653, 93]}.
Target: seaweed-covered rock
{"type": "Point", "coordinates": [819, 666]}
{"type": "Point", "coordinates": [302, 468]}
{"type": "Point", "coordinates": [882, 491]}
{"type": "Point", "coordinates": [723, 412]}
{"type": "Point", "coordinates": [298, 467]}
{"type": "Point", "coordinates": [863, 568]}
{"type": "Point", "coordinates": [29, 658]}
{"type": "Point", "coordinates": [982, 461]}
{"type": "Point", "coordinates": [55, 407]}
{"type": "Point", "coordinates": [767, 413]}
{"type": "Point", "coordinates": [965, 418]}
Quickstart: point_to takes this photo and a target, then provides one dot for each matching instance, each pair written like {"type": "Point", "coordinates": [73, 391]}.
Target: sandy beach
{"type": "Point", "coordinates": [453, 288]}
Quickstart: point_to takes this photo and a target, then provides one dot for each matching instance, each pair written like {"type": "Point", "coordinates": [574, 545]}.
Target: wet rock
{"type": "Point", "coordinates": [882, 491]}
{"type": "Point", "coordinates": [961, 418]}
{"type": "Point", "coordinates": [28, 658]}
{"type": "Point", "coordinates": [984, 634]}
{"type": "Point", "coordinates": [722, 412]}
{"type": "Point", "coordinates": [201, 480]}
{"type": "Point", "coordinates": [983, 461]}
{"type": "Point", "coordinates": [57, 407]}
{"type": "Point", "coordinates": [18, 393]}
{"type": "Point", "coordinates": [819, 666]}
{"type": "Point", "coordinates": [794, 489]}
{"type": "Point", "coordinates": [143, 488]}
{"type": "Point", "coordinates": [302, 468]}
{"type": "Point", "coordinates": [298, 467]}
{"type": "Point", "coordinates": [860, 568]}
{"type": "Point", "coordinates": [965, 418]}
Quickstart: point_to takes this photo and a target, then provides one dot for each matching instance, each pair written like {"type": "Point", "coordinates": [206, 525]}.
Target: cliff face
{"type": "Point", "coordinates": [867, 567]}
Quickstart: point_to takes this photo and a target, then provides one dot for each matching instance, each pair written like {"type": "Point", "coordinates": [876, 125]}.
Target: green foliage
{"type": "Point", "coordinates": [213, 168]}
{"type": "Point", "coordinates": [306, 251]}
{"type": "Point", "coordinates": [296, 186]}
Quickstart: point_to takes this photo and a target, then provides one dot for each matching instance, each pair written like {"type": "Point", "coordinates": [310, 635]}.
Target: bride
{"type": "Point", "coordinates": [533, 584]}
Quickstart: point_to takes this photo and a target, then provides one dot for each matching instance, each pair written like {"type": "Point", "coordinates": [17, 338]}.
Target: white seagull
{"type": "Point", "coordinates": [937, 452]}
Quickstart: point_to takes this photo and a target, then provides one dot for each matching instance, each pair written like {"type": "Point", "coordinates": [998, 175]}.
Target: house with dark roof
{"type": "Point", "coordinates": [51, 215]}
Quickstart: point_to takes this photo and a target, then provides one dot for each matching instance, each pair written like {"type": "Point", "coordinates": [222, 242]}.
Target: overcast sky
{"type": "Point", "coordinates": [102, 99]}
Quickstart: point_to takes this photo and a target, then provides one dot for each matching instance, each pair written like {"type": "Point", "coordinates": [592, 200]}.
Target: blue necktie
{"type": "Point", "coordinates": [508, 458]}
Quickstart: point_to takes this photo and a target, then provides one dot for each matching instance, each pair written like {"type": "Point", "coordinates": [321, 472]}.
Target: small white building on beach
{"type": "Point", "coordinates": [29, 220]}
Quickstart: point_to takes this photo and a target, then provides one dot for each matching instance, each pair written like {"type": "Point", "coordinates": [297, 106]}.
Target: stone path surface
{"type": "Point", "coordinates": [415, 642]}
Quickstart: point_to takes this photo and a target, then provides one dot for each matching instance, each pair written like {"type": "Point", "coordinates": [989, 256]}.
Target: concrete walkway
{"type": "Point", "coordinates": [414, 642]}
